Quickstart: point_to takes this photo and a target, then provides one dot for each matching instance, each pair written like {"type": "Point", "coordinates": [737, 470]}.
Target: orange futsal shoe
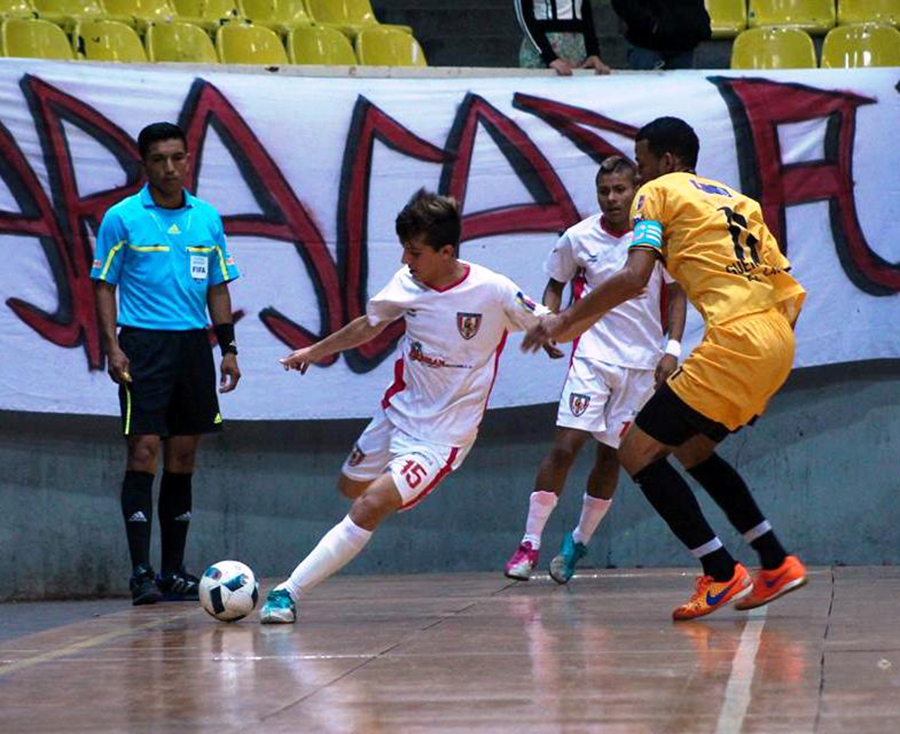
{"type": "Point", "coordinates": [710, 594]}
{"type": "Point", "coordinates": [769, 585]}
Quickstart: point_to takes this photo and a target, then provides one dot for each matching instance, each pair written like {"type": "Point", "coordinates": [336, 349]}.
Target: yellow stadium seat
{"type": "Point", "coordinates": [388, 47]}
{"type": "Point", "coordinates": [157, 11]}
{"type": "Point", "coordinates": [773, 48]}
{"type": "Point", "coordinates": [16, 9]}
{"type": "Point", "coordinates": [320, 45]}
{"type": "Point", "coordinates": [34, 38]}
{"type": "Point", "coordinates": [865, 44]}
{"type": "Point", "coordinates": [180, 42]}
{"type": "Point", "coordinates": [813, 16]}
{"type": "Point", "coordinates": [869, 11]}
{"type": "Point", "coordinates": [727, 17]}
{"type": "Point", "coordinates": [107, 40]}
{"type": "Point", "coordinates": [208, 14]}
{"type": "Point", "coordinates": [238, 43]}
{"type": "Point", "coordinates": [67, 12]}
{"type": "Point", "coordinates": [348, 16]}
{"type": "Point", "coordinates": [280, 15]}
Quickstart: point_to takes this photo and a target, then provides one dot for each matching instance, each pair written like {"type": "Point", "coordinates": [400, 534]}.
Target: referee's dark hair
{"type": "Point", "coordinates": [671, 135]}
{"type": "Point", "coordinates": [435, 216]}
{"type": "Point", "coordinates": [615, 164]}
{"type": "Point", "coordinates": [157, 132]}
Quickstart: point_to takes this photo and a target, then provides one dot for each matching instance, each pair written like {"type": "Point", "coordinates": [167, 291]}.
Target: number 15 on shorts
{"type": "Point", "coordinates": [413, 473]}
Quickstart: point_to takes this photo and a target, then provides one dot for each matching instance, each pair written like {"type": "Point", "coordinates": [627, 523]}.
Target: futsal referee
{"type": "Point", "coordinates": [165, 251]}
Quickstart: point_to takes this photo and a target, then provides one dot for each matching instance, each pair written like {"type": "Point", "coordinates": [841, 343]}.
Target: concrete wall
{"type": "Point", "coordinates": [823, 463]}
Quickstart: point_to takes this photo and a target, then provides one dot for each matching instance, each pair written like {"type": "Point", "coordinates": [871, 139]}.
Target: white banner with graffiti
{"type": "Point", "coordinates": [309, 173]}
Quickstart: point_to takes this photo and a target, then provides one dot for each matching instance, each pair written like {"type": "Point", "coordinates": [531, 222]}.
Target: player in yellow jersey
{"type": "Point", "coordinates": [715, 244]}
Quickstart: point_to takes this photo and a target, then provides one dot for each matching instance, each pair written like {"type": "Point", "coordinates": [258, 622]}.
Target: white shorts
{"type": "Point", "coordinates": [602, 399]}
{"type": "Point", "coordinates": [416, 465]}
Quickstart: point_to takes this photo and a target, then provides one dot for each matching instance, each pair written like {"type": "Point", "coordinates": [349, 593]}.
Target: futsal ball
{"type": "Point", "coordinates": [228, 590]}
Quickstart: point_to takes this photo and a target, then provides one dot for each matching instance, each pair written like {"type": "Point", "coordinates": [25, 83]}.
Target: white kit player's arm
{"type": "Point", "coordinates": [357, 332]}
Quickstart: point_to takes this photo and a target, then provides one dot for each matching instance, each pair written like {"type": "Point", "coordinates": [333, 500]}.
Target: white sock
{"type": "Point", "coordinates": [592, 511]}
{"type": "Point", "coordinates": [540, 505]}
{"type": "Point", "coordinates": [335, 550]}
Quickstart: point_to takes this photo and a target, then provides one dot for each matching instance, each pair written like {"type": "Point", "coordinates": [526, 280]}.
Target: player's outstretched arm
{"type": "Point", "coordinates": [357, 332]}
{"type": "Point", "coordinates": [579, 317]}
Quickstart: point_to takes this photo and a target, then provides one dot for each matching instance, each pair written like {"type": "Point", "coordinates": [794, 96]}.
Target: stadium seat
{"type": "Point", "coordinates": [813, 16]}
{"type": "Point", "coordinates": [180, 42]}
{"type": "Point", "coordinates": [381, 46]}
{"type": "Point", "coordinates": [144, 10]}
{"type": "Point", "coordinates": [773, 48]}
{"type": "Point", "coordinates": [239, 43]}
{"type": "Point", "coordinates": [208, 14]}
{"type": "Point", "coordinates": [34, 38]}
{"type": "Point", "coordinates": [279, 15]}
{"type": "Point", "coordinates": [728, 17]}
{"type": "Point", "coordinates": [869, 11]}
{"type": "Point", "coordinates": [107, 40]}
{"type": "Point", "coordinates": [320, 45]}
{"type": "Point", "coordinates": [348, 16]}
{"type": "Point", "coordinates": [16, 9]}
{"type": "Point", "coordinates": [68, 12]}
{"type": "Point", "coordinates": [865, 44]}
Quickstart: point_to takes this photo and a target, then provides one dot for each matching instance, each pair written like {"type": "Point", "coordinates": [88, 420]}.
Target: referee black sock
{"type": "Point", "coordinates": [137, 509]}
{"type": "Point", "coordinates": [175, 502]}
{"type": "Point", "coordinates": [673, 499]}
{"type": "Point", "coordinates": [729, 491]}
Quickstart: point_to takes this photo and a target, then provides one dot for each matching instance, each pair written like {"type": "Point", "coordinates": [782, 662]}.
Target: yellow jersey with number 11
{"type": "Point", "coordinates": [715, 244]}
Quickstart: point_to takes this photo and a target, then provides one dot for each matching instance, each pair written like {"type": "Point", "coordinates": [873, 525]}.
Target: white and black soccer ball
{"type": "Point", "coordinates": [229, 590]}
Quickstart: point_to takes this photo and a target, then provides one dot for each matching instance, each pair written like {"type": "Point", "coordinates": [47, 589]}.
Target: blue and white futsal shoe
{"type": "Point", "coordinates": [279, 608]}
{"type": "Point", "coordinates": [562, 567]}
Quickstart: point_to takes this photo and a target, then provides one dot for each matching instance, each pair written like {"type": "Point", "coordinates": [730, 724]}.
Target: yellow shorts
{"type": "Point", "coordinates": [737, 368]}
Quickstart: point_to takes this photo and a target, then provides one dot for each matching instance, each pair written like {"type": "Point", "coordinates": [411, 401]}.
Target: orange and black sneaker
{"type": "Point", "coordinates": [769, 585]}
{"type": "Point", "coordinates": [710, 594]}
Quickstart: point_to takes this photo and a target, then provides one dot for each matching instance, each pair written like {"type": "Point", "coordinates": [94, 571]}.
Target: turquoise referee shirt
{"type": "Point", "coordinates": [163, 260]}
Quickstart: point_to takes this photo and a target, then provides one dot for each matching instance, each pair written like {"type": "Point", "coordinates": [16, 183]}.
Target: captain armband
{"type": "Point", "coordinates": [647, 235]}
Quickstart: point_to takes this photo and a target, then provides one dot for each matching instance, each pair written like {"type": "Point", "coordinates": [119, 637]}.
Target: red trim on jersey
{"type": "Point", "coordinates": [618, 234]}
{"type": "Point", "coordinates": [452, 285]}
{"type": "Point", "coordinates": [398, 385]}
{"type": "Point", "coordinates": [579, 283]}
{"type": "Point", "coordinates": [445, 470]}
{"type": "Point", "coordinates": [497, 354]}
{"type": "Point", "coordinates": [664, 306]}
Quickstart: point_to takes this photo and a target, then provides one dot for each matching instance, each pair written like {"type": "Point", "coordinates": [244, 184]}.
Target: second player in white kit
{"type": "Point", "coordinates": [457, 316]}
{"type": "Point", "coordinates": [615, 367]}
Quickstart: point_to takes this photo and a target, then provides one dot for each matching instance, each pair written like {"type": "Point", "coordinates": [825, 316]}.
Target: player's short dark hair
{"type": "Point", "coordinates": [671, 135]}
{"type": "Point", "coordinates": [157, 132]}
{"type": "Point", "coordinates": [615, 164]}
{"type": "Point", "coordinates": [435, 216]}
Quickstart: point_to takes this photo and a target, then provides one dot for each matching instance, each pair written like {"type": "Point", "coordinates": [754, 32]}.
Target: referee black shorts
{"type": "Point", "coordinates": [173, 383]}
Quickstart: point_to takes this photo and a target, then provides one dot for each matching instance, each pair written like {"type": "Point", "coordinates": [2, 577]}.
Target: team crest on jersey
{"type": "Point", "coordinates": [468, 324]}
{"type": "Point", "coordinates": [578, 403]}
{"type": "Point", "coordinates": [356, 456]}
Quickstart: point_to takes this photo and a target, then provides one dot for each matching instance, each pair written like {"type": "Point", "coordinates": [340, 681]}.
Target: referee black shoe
{"type": "Point", "coordinates": [143, 586]}
{"type": "Point", "coordinates": [179, 586]}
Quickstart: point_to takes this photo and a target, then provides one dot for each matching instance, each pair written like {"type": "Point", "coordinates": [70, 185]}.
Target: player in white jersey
{"type": "Point", "coordinates": [615, 367]}
{"type": "Point", "coordinates": [457, 317]}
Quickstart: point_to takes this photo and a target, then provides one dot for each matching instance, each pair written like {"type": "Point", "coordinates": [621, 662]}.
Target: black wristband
{"type": "Point", "coordinates": [225, 337]}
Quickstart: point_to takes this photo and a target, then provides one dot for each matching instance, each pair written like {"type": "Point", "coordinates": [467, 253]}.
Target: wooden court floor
{"type": "Point", "coordinates": [466, 653]}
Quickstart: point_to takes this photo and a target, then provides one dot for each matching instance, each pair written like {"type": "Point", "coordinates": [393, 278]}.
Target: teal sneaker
{"type": "Point", "coordinates": [279, 608]}
{"type": "Point", "coordinates": [562, 567]}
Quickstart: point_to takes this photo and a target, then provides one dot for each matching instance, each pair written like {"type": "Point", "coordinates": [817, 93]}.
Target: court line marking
{"type": "Point", "coordinates": [740, 681]}
{"type": "Point", "coordinates": [90, 642]}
